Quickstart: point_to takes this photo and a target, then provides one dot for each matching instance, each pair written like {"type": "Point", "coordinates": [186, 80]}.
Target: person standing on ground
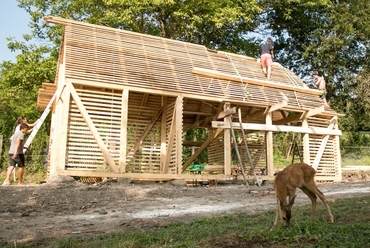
{"type": "Point", "coordinates": [267, 54]}
{"type": "Point", "coordinates": [16, 156]}
{"type": "Point", "coordinates": [320, 83]}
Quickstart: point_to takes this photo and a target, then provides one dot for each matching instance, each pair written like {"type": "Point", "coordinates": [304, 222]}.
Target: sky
{"type": "Point", "coordinates": [13, 23]}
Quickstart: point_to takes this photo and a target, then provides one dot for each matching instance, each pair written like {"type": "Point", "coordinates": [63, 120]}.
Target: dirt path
{"type": "Point", "coordinates": [48, 211]}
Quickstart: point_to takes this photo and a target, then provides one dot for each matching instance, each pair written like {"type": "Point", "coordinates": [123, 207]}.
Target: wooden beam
{"type": "Point", "coordinates": [171, 138]}
{"type": "Point", "coordinates": [265, 83]}
{"type": "Point", "coordinates": [149, 176]}
{"type": "Point", "coordinates": [269, 147]}
{"type": "Point", "coordinates": [278, 128]}
{"type": "Point", "coordinates": [124, 121]}
{"type": "Point", "coordinates": [277, 106]}
{"type": "Point", "coordinates": [289, 119]}
{"type": "Point", "coordinates": [226, 113]}
{"type": "Point", "coordinates": [196, 113]}
{"type": "Point", "coordinates": [207, 120]}
{"type": "Point", "coordinates": [59, 119]}
{"type": "Point", "coordinates": [337, 156]}
{"type": "Point", "coordinates": [306, 144]}
{"type": "Point", "coordinates": [92, 127]}
{"type": "Point", "coordinates": [227, 144]}
{"type": "Point", "coordinates": [163, 134]}
{"type": "Point", "coordinates": [312, 112]}
{"type": "Point", "coordinates": [178, 130]}
{"type": "Point", "coordinates": [211, 137]}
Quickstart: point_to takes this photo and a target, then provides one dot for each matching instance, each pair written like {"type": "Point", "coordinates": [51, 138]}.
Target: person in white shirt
{"type": "Point", "coordinates": [16, 155]}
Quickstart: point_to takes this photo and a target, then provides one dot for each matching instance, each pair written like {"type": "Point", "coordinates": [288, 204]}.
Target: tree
{"type": "Point", "coordinates": [329, 36]}
{"type": "Point", "coordinates": [218, 24]}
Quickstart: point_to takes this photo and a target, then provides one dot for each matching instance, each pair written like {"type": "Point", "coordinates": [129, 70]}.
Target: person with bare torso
{"type": "Point", "coordinates": [320, 83]}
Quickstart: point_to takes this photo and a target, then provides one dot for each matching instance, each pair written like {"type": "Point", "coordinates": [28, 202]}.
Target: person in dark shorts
{"type": "Point", "coordinates": [16, 156]}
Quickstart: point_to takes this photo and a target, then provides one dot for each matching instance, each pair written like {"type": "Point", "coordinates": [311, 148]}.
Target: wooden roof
{"type": "Point", "coordinates": [114, 58]}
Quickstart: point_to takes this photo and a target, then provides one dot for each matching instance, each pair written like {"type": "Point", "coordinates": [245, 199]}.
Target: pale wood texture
{"type": "Point", "coordinates": [134, 96]}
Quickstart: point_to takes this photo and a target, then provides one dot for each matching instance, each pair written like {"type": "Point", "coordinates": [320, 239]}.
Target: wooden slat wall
{"type": "Point", "coordinates": [257, 150]}
{"type": "Point", "coordinates": [45, 94]}
{"type": "Point", "coordinates": [105, 112]}
{"type": "Point", "coordinates": [328, 166]}
{"type": "Point", "coordinates": [216, 151]}
{"type": "Point", "coordinates": [142, 109]}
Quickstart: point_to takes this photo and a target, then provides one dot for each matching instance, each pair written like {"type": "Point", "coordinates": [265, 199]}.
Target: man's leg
{"type": "Point", "coordinates": [8, 175]}
{"type": "Point", "coordinates": [20, 175]}
{"type": "Point", "coordinates": [269, 72]}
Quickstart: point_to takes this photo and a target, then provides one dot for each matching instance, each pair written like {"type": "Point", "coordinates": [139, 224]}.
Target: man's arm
{"type": "Point", "coordinates": [318, 81]}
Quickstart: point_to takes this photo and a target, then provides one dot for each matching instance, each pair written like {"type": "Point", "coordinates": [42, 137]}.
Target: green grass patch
{"type": "Point", "coordinates": [351, 229]}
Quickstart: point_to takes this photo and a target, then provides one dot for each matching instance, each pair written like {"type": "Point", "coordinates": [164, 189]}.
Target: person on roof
{"type": "Point", "coordinates": [267, 54]}
{"type": "Point", "coordinates": [320, 83]}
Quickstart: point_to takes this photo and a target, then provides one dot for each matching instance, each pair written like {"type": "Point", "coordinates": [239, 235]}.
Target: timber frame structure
{"type": "Point", "coordinates": [124, 101]}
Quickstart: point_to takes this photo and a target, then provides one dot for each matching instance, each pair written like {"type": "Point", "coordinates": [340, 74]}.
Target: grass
{"type": "Point", "coordinates": [351, 229]}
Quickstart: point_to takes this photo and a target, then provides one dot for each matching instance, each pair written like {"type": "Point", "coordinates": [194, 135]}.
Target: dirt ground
{"type": "Point", "coordinates": [70, 209]}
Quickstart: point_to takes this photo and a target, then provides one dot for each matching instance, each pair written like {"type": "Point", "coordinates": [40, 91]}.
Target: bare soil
{"type": "Point", "coordinates": [52, 211]}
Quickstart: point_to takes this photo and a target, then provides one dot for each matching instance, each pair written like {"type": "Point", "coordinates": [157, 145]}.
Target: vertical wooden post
{"type": "Point", "coordinates": [306, 143]}
{"type": "Point", "coordinates": [178, 128]}
{"type": "Point", "coordinates": [227, 144]}
{"type": "Point", "coordinates": [337, 156]}
{"type": "Point", "coordinates": [163, 134]}
{"type": "Point", "coordinates": [269, 147]}
{"type": "Point", "coordinates": [59, 121]}
{"type": "Point", "coordinates": [124, 120]}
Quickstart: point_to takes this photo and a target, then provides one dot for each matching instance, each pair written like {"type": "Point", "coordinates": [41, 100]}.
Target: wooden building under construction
{"type": "Point", "coordinates": [124, 100]}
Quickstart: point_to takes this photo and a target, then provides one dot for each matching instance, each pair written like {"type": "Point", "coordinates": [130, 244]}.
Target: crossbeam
{"type": "Point", "coordinates": [277, 128]}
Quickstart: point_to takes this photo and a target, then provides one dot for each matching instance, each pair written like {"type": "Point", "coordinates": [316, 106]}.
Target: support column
{"type": "Point", "coordinates": [163, 134]}
{"type": "Point", "coordinates": [227, 144]}
{"type": "Point", "coordinates": [59, 123]}
{"type": "Point", "coordinates": [306, 143]}
{"type": "Point", "coordinates": [178, 130]}
{"type": "Point", "coordinates": [124, 120]}
{"type": "Point", "coordinates": [338, 157]}
{"type": "Point", "coordinates": [269, 147]}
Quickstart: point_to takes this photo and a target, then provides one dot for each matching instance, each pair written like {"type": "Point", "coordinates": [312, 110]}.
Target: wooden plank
{"type": "Point", "coordinates": [91, 125]}
{"type": "Point", "coordinates": [277, 106]}
{"type": "Point", "coordinates": [123, 134]}
{"type": "Point", "coordinates": [59, 120]}
{"type": "Point", "coordinates": [179, 114]}
{"type": "Point", "coordinates": [269, 147]}
{"type": "Point", "coordinates": [163, 134]}
{"type": "Point", "coordinates": [313, 112]}
{"type": "Point", "coordinates": [227, 143]}
{"type": "Point", "coordinates": [265, 83]}
{"type": "Point", "coordinates": [171, 140]}
{"type": "Point", "coordinates": [149, 176]}
{"type": "Point", "coordinates": [278, 128]}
